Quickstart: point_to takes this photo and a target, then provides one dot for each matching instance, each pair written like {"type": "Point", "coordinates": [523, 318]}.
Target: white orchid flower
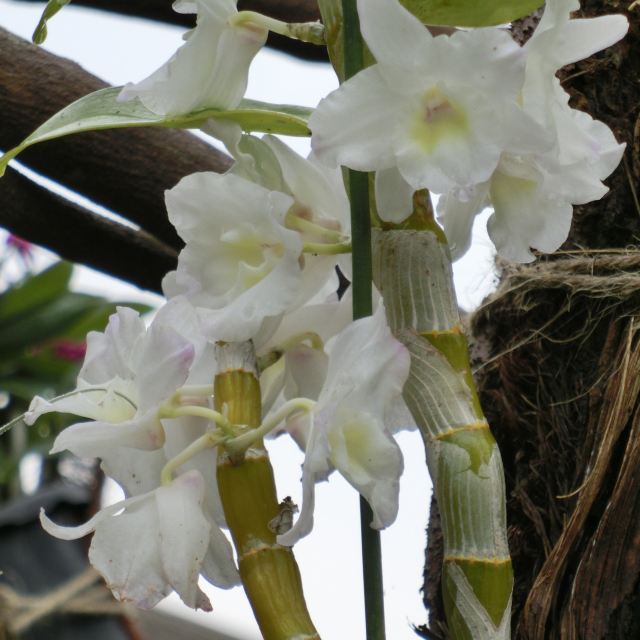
{"type": "Point", "coordinates": [240, 266]}
{"type": "Point", "coordinates": [151, 544]}
{"type": "Point", "coordinates": [533, 194]}
{"type": "Point", "coordinates": [127, 375]}
{"type": "Point", "coordinates": [440, 109]}
{"type": "Point", "coordinates": [320, 211]}
{"type": "Point", "coordinates": [210, 69]}
{"type": "Point", "coordinates": [583, 145]}
{"type": "Point", "coordinates": [557, 41]}
{"type": "Point", "coordinates": [527, 212]}
{"type": "Point", "coordinates": [301, 370]}
{"type": "Point", "coordinates": [143, 368]}
{"type": "Point", "coordinates": [280, 225]}
{"type": "Point", "coordinates": [181, 431]}
{"type": "Point", "coordinates": [366, 371]}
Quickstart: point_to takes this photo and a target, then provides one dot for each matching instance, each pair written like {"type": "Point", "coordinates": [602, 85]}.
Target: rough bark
{"type": "Point", "coordinates": [31, 211]}
{"type": "Point", "coordinates": [558, 355]}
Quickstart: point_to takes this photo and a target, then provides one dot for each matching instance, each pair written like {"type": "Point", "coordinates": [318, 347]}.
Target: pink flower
{"type": "Point", "coordinates": [69, 350]}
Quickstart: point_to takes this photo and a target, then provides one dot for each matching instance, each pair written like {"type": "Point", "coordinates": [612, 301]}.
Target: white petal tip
{"type": "Point", "coordinates": [127, 94]}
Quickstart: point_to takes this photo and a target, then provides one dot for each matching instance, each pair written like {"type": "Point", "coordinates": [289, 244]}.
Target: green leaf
{"type": "Point", "coordinates": [470, 13]}
{"type": "Point", "coordinates": [34, 292]}
{"type": "Point", "coordinates": [53, 6]}
{"type": "Point", "coordinates": [50, 321]}
{"type": "Point", "coordinates": [101, 110]}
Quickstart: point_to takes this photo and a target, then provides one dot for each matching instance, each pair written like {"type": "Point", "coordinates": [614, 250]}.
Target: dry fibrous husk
{"type": "Point", "coordinates": [558, 368]}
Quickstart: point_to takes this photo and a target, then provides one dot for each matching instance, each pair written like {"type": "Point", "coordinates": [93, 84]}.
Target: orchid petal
{"type": "Point", "coordinates": [108, 353]}
{"type": "Point", "coordinates": [314, 187]}
{"type": "Point", "coordinates": [306, 372]}
{"type": "Point", "coordinates": [526, 216]}
{"type": "Point", "coordinates": [133, 571]}
{"type": "Point", "coordinates": [325, 318]}
{"type": "Point", "coordinates": [161, 364]}
{"type": "Point", "coordinates": [457, 217]}
{"type": "Point", "coordinates": [185, 535]}
{"type": "Point", "coordinates": [218, 566]}
{"type": "Point", "coordinates": [394, 196]}
{"type": "Point", "coordinates": [209, 70]}
{"type": "Point", "coordinates": [584, 37]}
{"type": "Point", "coordinates": [371, 462]}
{"type": "Point", "coordinates": [366, 103]}
{"type": "Point", "coordinates": [366, 358]}
{"type": "Point", "coordinates": [601, 150]}
{"type": "Point", "coordinates": [180, 433]}
{"type": "Point", "coordinates": [90, 439]}
{"type": "Point", "coordinates": [314, 468]}
{"type": "Point", "coordinates": [74, 532]}
{"type": "Point", "coordinates": [499, 61]}
{"type": "Point", "coordinates": [101, 403]}
{"type": "Point", "coordinates": [394, 36]}
{"type": "Point", "coordinates": [255, 161]}
{"type": "Point", "coordinates": [135, 470]}
{"type": "Point", "coordinates": [229, 76]}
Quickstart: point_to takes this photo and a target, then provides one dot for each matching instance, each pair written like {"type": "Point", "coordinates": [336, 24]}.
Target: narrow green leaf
{"type": "Point", "coordinates": [34, 292]}
{"type": "Point", "coordinates": [53, 6]}
{"type": "Point", "coordinates": [470, 13]}
{"type": "Point", "coordinates": [101, 110]}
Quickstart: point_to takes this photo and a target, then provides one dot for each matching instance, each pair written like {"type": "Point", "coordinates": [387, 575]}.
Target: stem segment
{"type": "Point", "coordinates": [269, 572]}
{"type": "Point", "coordinates": [413, 272]}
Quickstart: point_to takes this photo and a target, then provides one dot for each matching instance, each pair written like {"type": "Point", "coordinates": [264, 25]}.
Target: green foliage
{"type": "Point", "coordinates": [470, 13]}
{"type": "Point", "coordinates": [53, 6]}
{"type": "Point", "coordinates": [101, 110]}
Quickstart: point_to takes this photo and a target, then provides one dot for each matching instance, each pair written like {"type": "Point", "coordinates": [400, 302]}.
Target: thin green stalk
{"type": "Point", "coordinates": [353, 43]}
{"type": "Point", "coordinates": [361, 244]}
{"type": "Point", "coordinates": [358, 187]}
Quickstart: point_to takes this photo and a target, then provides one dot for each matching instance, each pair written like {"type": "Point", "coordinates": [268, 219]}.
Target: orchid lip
{"type": "Point", "coordinates": [438, 119]}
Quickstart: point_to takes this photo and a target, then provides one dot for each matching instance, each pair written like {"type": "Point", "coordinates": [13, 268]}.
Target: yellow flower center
{"type": "Point", "coordinates": [439, 118]}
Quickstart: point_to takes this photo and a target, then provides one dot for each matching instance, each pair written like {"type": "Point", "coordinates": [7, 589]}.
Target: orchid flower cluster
{"type": "Point", "coordinates": [477, 118]}
{"type": "Point", "coordinates": [472, 116]}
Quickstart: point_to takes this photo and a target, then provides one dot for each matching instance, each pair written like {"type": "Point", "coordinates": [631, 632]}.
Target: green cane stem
{"type": "Point", "coordinates": [413, 271]}
{"type": "Point", "coordinates": [358, 187]}
{"type": "Point", "coordinates": [269, 572]}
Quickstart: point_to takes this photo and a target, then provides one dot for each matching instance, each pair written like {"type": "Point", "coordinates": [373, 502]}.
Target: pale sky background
{"type": "Point", "coordinates": [126, 49]}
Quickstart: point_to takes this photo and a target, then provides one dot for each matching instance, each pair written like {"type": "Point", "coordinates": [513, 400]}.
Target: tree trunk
{"type": "Point", "coordinates": [558, 361]}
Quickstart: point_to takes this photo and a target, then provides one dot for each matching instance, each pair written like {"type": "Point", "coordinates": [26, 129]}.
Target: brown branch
{"type": "Point", "coordinates": [78, 235]}
{"type": "Point", "coordinates": [127, 171]}
{"type": "Point", "coordinates": [289, 10]}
